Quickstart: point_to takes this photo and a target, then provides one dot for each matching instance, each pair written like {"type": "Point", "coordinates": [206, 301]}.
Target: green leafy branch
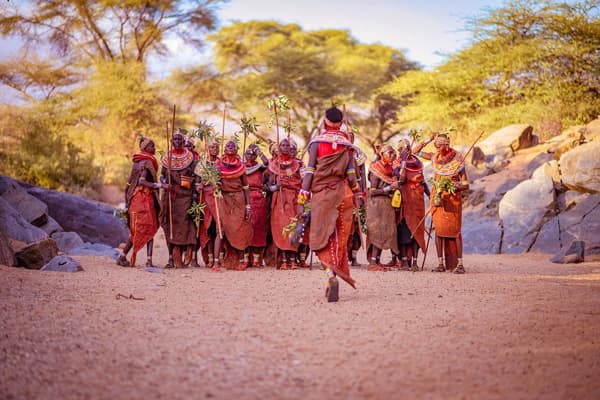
{"type": "Point", "coordinates": [441, 185]}
{"type": "Point", "coordinates": [291, 227]}
{"type": "Point", "coordinates": [211, 175]}
{"type": "Point", "coordinates": [277, 104]}
{"type": "Point", "coordinates": [361, 214]}
{"type": "Point", "coordinates": [196, 211]}
{"type": "Point", "coordinates": [205, 131]}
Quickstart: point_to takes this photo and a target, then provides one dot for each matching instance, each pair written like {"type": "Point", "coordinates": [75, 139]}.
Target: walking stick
{"type": "Point", "coordinates": [219, 230]}
{"type": "Point", "coordinates": [168, 192]}
{"type": "Point", "coordinates": [427, 245]}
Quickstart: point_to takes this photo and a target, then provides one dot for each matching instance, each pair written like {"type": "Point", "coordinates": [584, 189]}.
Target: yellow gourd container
{"type": "Point", "coordinates": [397, 199]}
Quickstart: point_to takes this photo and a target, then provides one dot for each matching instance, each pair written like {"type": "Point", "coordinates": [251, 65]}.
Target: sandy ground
{"type": "Point", "coordinates": [513, 327]}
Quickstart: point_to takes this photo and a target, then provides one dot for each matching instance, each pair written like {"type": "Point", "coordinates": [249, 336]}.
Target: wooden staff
{"type": "Point", "coordinates": [345, 117]}
{"type": "Point", "coordinates": [276, 120]}
{"type": "Point", "coordinates": [244, 143]}
{"type": "Point", "coordinates": [168, 192]}
{"type": "Point", "coordinates": [427, 245]}
{"type": "Point", "coordinates": [173, 126]}
{"type": "Point", "coordinates": [219, 231]}
{"type": "Point", "coordinates": [223, 130]}
{"type": "Point", "coordinates": [289, 133]}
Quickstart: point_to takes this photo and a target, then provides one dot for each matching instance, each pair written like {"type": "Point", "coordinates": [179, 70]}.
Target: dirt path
{"type": "Point", "coordinates": [513, 327]}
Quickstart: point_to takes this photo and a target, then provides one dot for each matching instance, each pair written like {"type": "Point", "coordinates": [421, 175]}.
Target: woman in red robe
{"type": "Point", "coordinates": [285, 182]}
{"type": "Point", "coordinates": [329, 182]}
{"type": "Point", "coordinates": [141, 199]}
{"type": "Point", "coordinates": [258, 203]}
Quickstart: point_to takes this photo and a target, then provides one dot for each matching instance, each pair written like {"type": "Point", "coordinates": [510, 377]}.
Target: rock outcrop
{"type": "Point", "coordinates": [92, 220]}
{"type": "Point", "coordinates": [16, 227]}
{"type": "Point", "coordinates": [580, 168]}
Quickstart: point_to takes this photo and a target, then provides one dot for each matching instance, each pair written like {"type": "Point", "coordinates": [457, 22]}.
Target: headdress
{"type": "Point", "coordinates": [441, 139]}
{"type": "Point", "coordinates": [144, 143]}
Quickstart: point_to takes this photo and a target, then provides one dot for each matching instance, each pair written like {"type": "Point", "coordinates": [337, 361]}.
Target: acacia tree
{"type": "Point", "coordinates": [258, 60]}
{"type": "Point", "coordinates": [86, 61]}
{"type": "Point", "coordinates": [531, 60]}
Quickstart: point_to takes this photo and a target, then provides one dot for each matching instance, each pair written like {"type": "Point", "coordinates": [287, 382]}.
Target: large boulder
{"type": "Point", "coordinates": [592, 130]}
{"type": "Point", "coordinates": [36, 255]}
{"type": "Point", "coordinates": [67, 241]}
{"type": "Point", "coordinates": [62, 264]}
{"type": "Point", "coordinates": [92, 220]}
{"type": "Point", "coordinates": [31, 209]}
{"type": "Point", "coordinates": [580, 168]}
{"type": "Point", "coordinates": [569, 139]}
{"type": "Point", "coordinates": [523, 210]}
{"type": "Point", "coordinates": [7, 256]}
{"type": "Point", "coordinates": [504, 142]}
{"type": "Point", "coordinates": [578, 221]}
{"type": "Point", "coordinates": [480, 235]}
{"type": "Point", "coordinates": [16, 227]}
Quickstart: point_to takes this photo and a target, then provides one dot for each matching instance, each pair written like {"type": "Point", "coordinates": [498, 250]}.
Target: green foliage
{"type": "Point", "coordinates": [257, 59]}
{"type": "Point", "coordinates": [531, 61]}
{"type": "Point", "coordinates": [441, 185]}
{"type": "Point", "coordinates": [41, 154]}
{"type": "Point", "coordinates": [196, 211]}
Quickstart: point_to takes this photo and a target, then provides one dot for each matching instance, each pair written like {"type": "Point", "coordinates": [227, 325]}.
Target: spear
{"type": "Point", "coordinates": [168, 192]}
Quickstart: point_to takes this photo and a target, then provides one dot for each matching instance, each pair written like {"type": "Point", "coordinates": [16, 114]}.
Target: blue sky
{"type": "Point", "coordinates": [421, 27]}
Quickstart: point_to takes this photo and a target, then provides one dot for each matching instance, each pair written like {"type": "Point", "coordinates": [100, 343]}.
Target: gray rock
{"type": "Point", "coordinates": [95, 249]}
{"type": "Point", "coordinates": [16, 227]}
{"type": "Point", "coordinates": [62, 264]}
{"type": "Point", "coordinates": [574, 254]}
{"type": "Point", "coordinates": [504, 142]}
{"type": "Point", "coordinates": [155, 270]}
{"type": "Point", "coordinates": [579, 222]}
{"type": "Point", "coordinates": [580, 168]}
{"type": "Point", "coordinates": [548, 239]}
{"type": "Point", "coordinates": [36, 255]}
{"type": "Point", "coordinates": [51, 226]}
{"type": "Point", "coordinates": [67, 241]}
{"type": "Point", "coordinates": [480, 235]}
{"type": "Point", "coordinates": [592, 252]}
{"type": "Point", "coordinates": [570, 199]}
{"type": "Point", "coordinates": [7, 257]}
{"type": "Point", "coordinates": [31, 209]}
{"type": "Point", "coordinates": [539, 160]}
{"type": "Point", "coordinates": [523, 211]}
{"type": "Point", "coordinates": [92, 220]}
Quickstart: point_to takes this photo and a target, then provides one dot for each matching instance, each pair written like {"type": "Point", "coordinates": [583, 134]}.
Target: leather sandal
{"type": "Point", "coordinates": [334, 289]}
{"type": "Point", "coordinates": [439, 268]}
{"type": "Point", "coordinates": [459, 270]}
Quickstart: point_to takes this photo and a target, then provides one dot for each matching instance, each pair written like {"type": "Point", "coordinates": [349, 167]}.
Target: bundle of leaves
{"type": "Point", "coordinates": [196, 211]}
{"type": "Point", "coordinates": [210, 175]}
{"type": "Point", "coordinates": [291, 227]}
{"type": "Point", "coordinates": [442, 185]}
{"type": "Point", "coordinates": [277, 105]}
{"type": "Point", "coordinates": [361, 214]}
